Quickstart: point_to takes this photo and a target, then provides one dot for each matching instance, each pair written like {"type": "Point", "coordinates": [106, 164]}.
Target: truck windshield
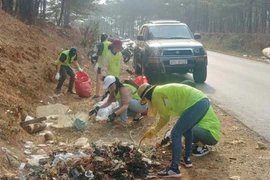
{"type": "Point", "coordinates": [169, 32]}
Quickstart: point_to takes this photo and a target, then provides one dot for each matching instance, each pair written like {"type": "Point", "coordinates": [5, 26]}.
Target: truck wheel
{"type": "Point", "coordinates": [200, 74]}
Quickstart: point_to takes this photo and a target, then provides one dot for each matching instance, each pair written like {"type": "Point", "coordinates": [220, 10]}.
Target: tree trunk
{"type": "Point", "coordinates": [7, 5]}
{"type": "Point", "coordinates": [30, 12]}
{"type": "Point", "coordinates": [44, 9]}
{"type": "Point", "coordinates": [67, 13]}
{"type": "Point", "coordinates": [62, 12]}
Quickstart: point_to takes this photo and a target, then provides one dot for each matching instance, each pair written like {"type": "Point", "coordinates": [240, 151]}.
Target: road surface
{"type": "Point", "coordinates": [239, 86]}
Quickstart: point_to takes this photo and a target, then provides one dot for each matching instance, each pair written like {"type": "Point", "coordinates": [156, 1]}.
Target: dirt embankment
{"type": "Point", "coordinates": [236, 43]}
{"type": "Point", "coordinates": [27, 69]}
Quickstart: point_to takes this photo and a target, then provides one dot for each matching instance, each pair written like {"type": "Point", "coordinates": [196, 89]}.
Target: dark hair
{"type": "Point", "coordinates": [103, 37]}
{"type": "Point", "coordinates": [118, 83]}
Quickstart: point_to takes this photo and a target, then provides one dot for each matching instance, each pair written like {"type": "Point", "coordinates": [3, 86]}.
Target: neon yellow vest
{"type": "Point", "coordinates": [114, 64]}
{"type": "Point", "coordinates": [68, 61]}
{"type": "Point", "coordinates": [104, 52]}
{"type": "Point", "coordinates": [134, 92]}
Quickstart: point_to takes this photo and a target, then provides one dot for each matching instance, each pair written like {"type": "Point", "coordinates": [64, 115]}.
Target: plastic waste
{"type": "Point", "coordinates": [79, 124]}
{"type": "Point", "coordinates": [89, 174]}
{"type": "Point", "coordinates": [75, 173]}
{"type": "Point", "coordinates": [28, 118]}
{"type": "Point", "coordinates": [81, 142]}
{"type": "Point", "coordinates": [12, 160]}
{"type": "Point", "coordinates": [103, 113]}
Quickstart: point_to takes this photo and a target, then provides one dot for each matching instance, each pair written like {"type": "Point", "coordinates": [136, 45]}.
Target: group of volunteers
{"type": "Point", "coordinates": [197, 121]}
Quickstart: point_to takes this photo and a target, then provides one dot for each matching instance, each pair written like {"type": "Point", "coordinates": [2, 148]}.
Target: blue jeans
{"type": "Point", "coordinates": [189, 118]}
{"type": "Point", "coordinates": [134, 106]}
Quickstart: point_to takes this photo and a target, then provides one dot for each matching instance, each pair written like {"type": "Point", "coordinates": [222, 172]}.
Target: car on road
{"type": "Point", "coordinates": [164, 47]}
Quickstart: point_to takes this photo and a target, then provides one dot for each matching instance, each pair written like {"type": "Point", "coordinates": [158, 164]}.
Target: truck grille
{"type": "Point", "coordinates": [177, 52]}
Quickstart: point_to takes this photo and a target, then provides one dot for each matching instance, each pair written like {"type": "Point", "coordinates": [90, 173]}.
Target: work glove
{"type": "Point", "coordinates": [57, 76]}
{"type": "Point", "coordinates": [129, 72]}
{"type": "Point", "coordinates": [149, 134]}
{"type": "Point", "coordinates": [111, 117]}
{"type": "Point", "coordinates": [80, 69]}
{"type": "Point", "coordinates": [167, 138]}
{"type": "Point", "coordinates": [94, 111]}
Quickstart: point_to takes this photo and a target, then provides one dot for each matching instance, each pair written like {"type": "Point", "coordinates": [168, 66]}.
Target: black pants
{"type": "Point", "coordinates": [64, 71]}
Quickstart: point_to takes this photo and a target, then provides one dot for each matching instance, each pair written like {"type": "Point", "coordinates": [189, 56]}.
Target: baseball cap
{"type": "Point", "coordinates": [117, 44]}
{"type": "Point", "coordinates": [108, 81]}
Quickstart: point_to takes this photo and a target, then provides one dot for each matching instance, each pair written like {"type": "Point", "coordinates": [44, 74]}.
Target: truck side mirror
{"type": "Point", "coordinates": [197, 36]}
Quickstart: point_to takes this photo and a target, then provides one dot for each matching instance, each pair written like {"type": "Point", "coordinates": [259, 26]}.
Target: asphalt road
{"type": "Point", "coordinates": [239, 86]}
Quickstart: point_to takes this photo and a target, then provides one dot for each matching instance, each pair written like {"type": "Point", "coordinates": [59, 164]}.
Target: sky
{"type": "Point", "coordinates": [102, 1]}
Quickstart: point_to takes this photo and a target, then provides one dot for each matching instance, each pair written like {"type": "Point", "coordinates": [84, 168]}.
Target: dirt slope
{"type": "Point", "coordinates": [27, 55]}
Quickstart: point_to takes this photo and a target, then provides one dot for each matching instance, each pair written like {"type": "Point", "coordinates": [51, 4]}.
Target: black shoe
{"type": "Point", "coordinates": [169, 172]}
{"type": "Point", "coordinates": [57, 91]}
{"type": "Point", "coordinates": [200, 151]}
{"type": "Point", "coordinates": [186, 162]}
{"type": "Point", "coordinates": [138, 119]}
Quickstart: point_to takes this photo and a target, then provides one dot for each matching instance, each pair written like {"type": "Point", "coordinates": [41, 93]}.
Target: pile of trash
{"type": "Point", "coordinates": [118, 160]}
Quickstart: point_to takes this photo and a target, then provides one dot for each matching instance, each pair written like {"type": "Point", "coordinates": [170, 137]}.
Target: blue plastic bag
{"type": "Point", "coordinates": [79, 125]}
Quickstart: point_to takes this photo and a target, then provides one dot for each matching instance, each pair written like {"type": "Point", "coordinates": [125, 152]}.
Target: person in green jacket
{"type": "Point", "coordinates": [103, 48]}
{"type": "Point", "coordinates": [127, 97]}
{"type": "Point", "coordinates": [205, 133]}
{"type": "Point", "coordinates": [179, 100]}
{"type": "Point", "coordinates": [63, 68]}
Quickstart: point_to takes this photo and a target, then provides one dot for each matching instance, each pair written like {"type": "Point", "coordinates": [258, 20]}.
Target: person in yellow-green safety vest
{"type": "Point", "coordinates": [204, 133]}
{"type": "Point", "coordinates": [178, 100]}
{"type": "Point", "coordinates": [63, 68]}
{"type": "Point", "coordinates": [127, 97]}
{"type": "Point", "coordinates": [113, 60]}
{"type": "Point", "coordinates": [102, 51]}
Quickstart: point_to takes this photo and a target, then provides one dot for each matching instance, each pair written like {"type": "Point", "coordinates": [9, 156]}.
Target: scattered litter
{"type": "Point", "coordinates": [237, 142]}
{"type": "Point", "coordinates": [118, 160]}
{"type": "Point", "coordinates": [235, 178]}
{"type": "Point", "coordinates": [50, 142]}
{"type": "Point", "coordinates": [41, 145]}
{"type": "Point", "coordinates": [62, 144]}
{"type": "Point", "coordinates": [33, 160]}
{"type": "Point", "coordinates": [260, 145]}
{"type": "Point", "coordinates": [27, 151]}
{"type": "Point", "coordinates": [81, 142]}
{"type": "Point", "coordinates": [40, 151]}
{"type": "Point", "coordinates": [27, 118]}
{"type": "Point", "coordinates": [22, 166]}
{"type": "Point", "coordinates": [11, 159]}
{"type": "Point", "coordinates": [48, 136]}
{"type": "Point", "coordinates": [79, 124]}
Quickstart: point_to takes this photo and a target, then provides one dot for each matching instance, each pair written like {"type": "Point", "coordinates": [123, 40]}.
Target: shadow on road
{"type": "Point", "coordinates": [177, 78]}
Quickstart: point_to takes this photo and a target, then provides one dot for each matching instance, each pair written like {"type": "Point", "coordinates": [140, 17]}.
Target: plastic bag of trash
{"type": "Point", "coordinates": [79, 124]}
{"type": "Point", "coordinates": [103, 113]}
{"type": "Point", "coordinates": [83, 84]}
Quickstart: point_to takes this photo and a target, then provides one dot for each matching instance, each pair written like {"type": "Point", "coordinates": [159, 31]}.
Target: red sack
{"type": "Point", "coordinates": [83, 84]}
{"type": "Point", "coordinates": [140, 80]}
